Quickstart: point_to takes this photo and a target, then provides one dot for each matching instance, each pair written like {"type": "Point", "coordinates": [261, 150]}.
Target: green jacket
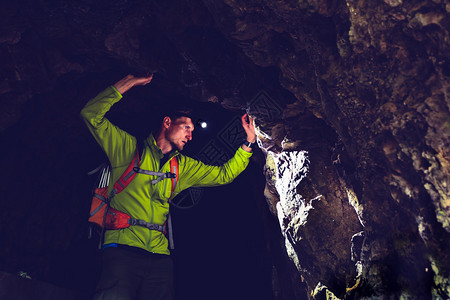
{"type": "Point", "coordinates": [140, 199]}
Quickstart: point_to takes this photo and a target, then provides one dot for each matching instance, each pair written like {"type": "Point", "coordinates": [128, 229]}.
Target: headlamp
{"type": "Point", "coordinates": [202, 123]}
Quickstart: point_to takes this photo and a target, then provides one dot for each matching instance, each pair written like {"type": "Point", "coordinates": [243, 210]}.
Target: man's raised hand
{"type": "Point", "coordinates": [130, 81]}
{"type": "Point", "coordinates": [249, 128]}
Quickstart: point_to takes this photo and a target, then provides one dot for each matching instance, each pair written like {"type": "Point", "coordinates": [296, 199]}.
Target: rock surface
{"type": "Point", "coordinates": [351, 100]}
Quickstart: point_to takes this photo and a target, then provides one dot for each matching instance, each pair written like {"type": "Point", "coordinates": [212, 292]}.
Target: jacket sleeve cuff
{"type": "Point", "coordinates": [244, 153]}
{"type": "Point", "coordinates": [116, 92]}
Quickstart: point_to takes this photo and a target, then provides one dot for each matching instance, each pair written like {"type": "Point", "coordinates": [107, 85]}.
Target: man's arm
{"type": "Point", "coordinates": [196, 173]}
{"type": "Point", "coordinates": [117, 144]}
{"type": "Point", "coordinates": [126, 83]}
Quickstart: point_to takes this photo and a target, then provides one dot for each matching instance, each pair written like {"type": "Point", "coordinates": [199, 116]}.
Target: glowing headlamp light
{"type": "Point", "coordinates": [202, 123]}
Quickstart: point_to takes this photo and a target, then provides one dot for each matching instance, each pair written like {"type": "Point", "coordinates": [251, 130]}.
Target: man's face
{"type": "Point", "coordinates": [180, 132]}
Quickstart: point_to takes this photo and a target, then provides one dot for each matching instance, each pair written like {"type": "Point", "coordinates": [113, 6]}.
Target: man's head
{"type": "Point", "coordinates": [179, 131]}
{"type": "Point", "coordinates": [176, 129]}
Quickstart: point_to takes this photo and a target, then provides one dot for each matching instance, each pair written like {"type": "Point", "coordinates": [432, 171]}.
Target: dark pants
{"type": "Point", "coordinates": [134, 274]}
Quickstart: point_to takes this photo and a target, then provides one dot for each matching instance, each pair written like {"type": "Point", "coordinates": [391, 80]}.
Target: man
{"type": "Point", "coordinates": [135, 261]}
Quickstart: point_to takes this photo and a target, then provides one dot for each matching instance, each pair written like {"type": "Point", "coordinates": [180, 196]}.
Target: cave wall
{"type": "Point", "coordinates": [354, 141]}
{"type": "Point", "coordinates": [378, 75]}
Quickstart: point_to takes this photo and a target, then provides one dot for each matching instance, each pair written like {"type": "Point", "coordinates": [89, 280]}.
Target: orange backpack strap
{"type": "Point", "coordinates": [127, 176]}
{"type": "Point", "coordinates": [174, 170]}
{"type": "Point", "coordinates": [101, 199]}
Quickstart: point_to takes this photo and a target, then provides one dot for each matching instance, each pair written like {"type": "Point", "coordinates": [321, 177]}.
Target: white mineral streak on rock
{"type": "Point", "coordinates": [353, 200]}
{"type": "Point", "coordinates": [292, 254]}
{"type": "Point", "coordinates": [261, 134]}
{"type": "Point", "coordinates": [291, 169]}
{"type": "Point", "coordinates": [265, 141]}
{"type": "Point", "coordinates": [281, 217]}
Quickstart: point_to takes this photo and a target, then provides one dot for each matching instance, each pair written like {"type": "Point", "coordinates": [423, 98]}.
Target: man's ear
{"type": "Point", "coordinates": [167, 122]}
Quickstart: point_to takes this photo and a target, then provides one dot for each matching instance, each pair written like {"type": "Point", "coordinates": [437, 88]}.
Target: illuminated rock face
{"type": "Point", "coordinates": [317, 225]}
{"type": "Point", "coordinates": [352, 106]}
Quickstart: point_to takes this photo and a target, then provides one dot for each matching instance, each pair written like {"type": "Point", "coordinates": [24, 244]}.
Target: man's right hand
{"type": "Point", "coordinates": [129, 81]}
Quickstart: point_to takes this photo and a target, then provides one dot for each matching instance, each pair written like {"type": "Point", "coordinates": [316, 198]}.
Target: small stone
{"type": "Point", "coordinates": [393, 3]}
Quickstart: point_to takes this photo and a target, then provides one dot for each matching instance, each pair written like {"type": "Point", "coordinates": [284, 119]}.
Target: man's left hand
{"type": "Point", "coordinates": [249, 128]}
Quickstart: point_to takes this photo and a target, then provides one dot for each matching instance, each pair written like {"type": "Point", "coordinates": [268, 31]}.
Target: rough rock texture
{"type": "Point", "coordinates": [378, 74]}
{"type": "Point", "coordinates": [355, 143]}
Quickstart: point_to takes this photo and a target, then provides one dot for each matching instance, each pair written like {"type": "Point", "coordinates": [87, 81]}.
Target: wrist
{"type": "Point", "coordinates": [249, 144]}
{"type": "Point", "coordinates": [125, 84]}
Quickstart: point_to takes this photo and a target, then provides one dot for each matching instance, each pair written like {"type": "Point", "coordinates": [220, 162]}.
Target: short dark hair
{"type": "Point", "coordinates": [178, 112]}
{"type": "Point", "coordinates": [173, 113]}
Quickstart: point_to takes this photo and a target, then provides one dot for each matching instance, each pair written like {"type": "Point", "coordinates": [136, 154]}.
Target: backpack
{"type": "Point", "coordinates": [103, 216]}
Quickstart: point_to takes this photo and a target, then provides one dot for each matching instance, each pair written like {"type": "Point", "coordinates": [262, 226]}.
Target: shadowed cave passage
{"type": "Point", "coordinates": [221, 250]}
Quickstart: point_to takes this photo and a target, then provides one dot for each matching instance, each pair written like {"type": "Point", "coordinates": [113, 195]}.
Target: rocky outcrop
{"type": "Point", "coordinates": [377, 74]}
